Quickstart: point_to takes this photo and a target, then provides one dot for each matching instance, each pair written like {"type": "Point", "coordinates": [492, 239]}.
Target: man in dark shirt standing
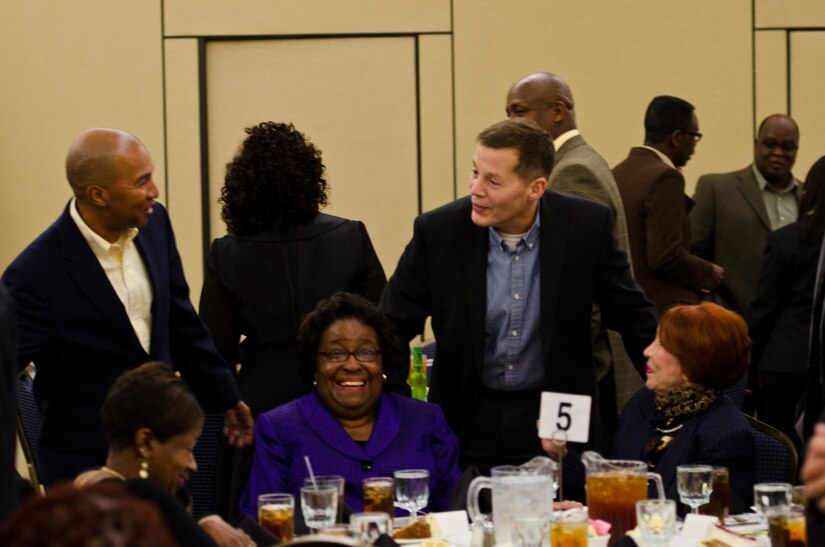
{"type": "Point", "coordinates": [509, 276]}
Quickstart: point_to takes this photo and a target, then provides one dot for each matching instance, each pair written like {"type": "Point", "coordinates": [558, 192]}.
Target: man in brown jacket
{"type": "Point", "coordinates": [653, 193]}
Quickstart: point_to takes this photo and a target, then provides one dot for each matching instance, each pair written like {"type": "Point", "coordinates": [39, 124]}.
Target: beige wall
{"type": "Point", "coordinates": [70, 65]}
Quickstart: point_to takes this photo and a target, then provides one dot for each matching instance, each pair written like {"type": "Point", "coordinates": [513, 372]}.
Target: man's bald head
{"type": "Point", "coordinates": [92, 157]}
{"type": "Point", "coordinates": [546, 99]}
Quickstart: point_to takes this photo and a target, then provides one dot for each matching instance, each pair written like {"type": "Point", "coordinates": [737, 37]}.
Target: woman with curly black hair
{"type": "Point", "coordinates": [280, 258]}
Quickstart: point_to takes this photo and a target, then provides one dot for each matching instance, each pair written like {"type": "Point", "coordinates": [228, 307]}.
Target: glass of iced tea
{"type": "Point", "coordinates": [331, 480]}
{"type": "Point", "coordinates": [786, 526]}
{"type": "Point", "coordinates": [379, 495]}
{"type": "Point", "coordinates": [719, 504]}
{"type": "Point", "coordinates": [569, 528]}
{"type": "Point", "coordinates": [276, 513]}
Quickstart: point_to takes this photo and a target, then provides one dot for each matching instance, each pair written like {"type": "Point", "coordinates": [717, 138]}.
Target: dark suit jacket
{"type": "Point", "coordinates": [719, 436]}
{"type": "Point", "coordinates": [74, 328]}
{"type": "Point", "coordinates": [581, 171]}
{"type": "Point", "coordinates": [814, 406]}
{"type": "Point", "coordinates": [730, 227]}
{"type": "Point", "coordinates": [656, 206]}
{"type": "Point", "coordinates": [262, 286]}
{"type": "Point", "coordinates": [8, 400]}
{"type": "Point", "coordinates": [780, 317]}
{"type": "Point", "coordinates": [442, 274]}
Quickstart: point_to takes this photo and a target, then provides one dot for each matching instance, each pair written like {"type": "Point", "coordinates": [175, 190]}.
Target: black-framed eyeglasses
{"type": "Point", "coordinates": [695, 134]}
{"type": "Point", "coordinates": [363, 355]}
{"type": "Point", "coordinates": [770, 144]}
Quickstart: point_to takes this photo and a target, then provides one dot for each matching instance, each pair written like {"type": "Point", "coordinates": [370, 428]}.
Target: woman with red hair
{"type": "Point", "coordinates": [681, 416]}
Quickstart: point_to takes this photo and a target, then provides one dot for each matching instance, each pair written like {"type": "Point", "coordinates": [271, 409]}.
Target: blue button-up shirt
{"type": "Point", "coordinates": [512, 347]}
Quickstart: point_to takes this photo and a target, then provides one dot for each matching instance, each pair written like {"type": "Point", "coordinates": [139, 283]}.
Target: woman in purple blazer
{"type": "Point", "coordinates": [349, 425]}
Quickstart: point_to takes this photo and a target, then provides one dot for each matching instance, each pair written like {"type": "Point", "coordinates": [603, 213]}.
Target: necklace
{"type": "Point", "coordinates": [673, 429]}
{"type": "Point", "coordinates": [112, 472]}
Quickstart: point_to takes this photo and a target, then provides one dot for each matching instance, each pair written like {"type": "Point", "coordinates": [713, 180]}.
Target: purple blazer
{"type": "Point", "coordinates": [408, 434]}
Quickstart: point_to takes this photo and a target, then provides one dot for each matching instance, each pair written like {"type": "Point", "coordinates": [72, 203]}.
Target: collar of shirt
{"type": "Point", "coordinates": [529, 239]}
{"type": "Point", "coordinates": [763, 183]}
{"type": "Point", "coordinates": [662, 157]}
{"type": "Point", "coordinates": [564, 137]}
{"type": "Point", "coordinates": [97, 243]}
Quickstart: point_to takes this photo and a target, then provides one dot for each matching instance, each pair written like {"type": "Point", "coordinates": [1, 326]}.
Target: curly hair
{"type": "Point", "coordinates": [152, 396]}
{"type": "Point", "coordinates": [276, 181]}
{"type": "Point", "coordinates": [339, 306]}
{"type": "Point", "coordinates": [710, 342]}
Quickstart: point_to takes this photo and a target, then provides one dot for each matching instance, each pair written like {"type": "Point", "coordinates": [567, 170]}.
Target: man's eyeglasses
{"type": "Point", "coordinates": [361, 355]}
{"type": "Point", "coordinates": [770, 144]}
{"type": "Point", "coordinates": [695, 134]}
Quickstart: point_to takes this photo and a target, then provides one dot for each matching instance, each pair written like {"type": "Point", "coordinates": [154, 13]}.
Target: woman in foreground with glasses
{"type": "Point", "coordinates": [349, 425]}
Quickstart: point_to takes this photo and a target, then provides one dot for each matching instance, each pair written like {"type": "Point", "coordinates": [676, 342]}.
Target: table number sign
{"type": "Point", "coordinates": [567, 413]}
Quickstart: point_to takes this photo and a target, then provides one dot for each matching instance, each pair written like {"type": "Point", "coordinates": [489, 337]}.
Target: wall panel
{"type": "Point", "coordinates": [784, 14]}
{"type": "Point", "coordinates": [436, 105]}
{"type": "Point", "coordinates": [67, 66]}
{"type": "Point", "coordinates": [183, 127]}
{"type": "Point", "coordinates": [285, 17]}
{"type": "Point", "coordinates": [616, 56]}
{"type": "Point", "coordinates": [771, 72]}
{"type": "Point", "coordinates": [807, 106]}
{"type": "Point", "coordinates": [354, 97]}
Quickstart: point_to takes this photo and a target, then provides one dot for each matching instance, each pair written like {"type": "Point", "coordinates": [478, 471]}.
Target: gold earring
{"type": "Point", "coordinates": [384, 377]}
{"type": "Point", "coordinates": [143, 473]}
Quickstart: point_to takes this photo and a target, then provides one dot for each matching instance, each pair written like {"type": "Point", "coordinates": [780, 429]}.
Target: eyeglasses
{"type": "Point", "coordinates": [695, 134]}
{"type": "Point", "coordinates": [363, 355]}
{"type": "Point", "coordinates": [770, 144]}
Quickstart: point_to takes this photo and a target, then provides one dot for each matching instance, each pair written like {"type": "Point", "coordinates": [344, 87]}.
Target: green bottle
{"type": "Point", "coordinates": [418, 377]}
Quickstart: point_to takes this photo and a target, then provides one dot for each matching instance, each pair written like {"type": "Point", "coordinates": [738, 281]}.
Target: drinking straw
{"type": "Point", "coordinates": [311, 474]}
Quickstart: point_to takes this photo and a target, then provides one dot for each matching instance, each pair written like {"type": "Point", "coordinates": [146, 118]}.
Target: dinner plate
{"type": "Point", "coordinates": [415, 541]}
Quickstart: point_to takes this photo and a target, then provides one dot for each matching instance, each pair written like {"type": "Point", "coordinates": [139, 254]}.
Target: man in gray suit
{"type": "Point", "coordinates": [546, 99]}
{"type": "Point", "coordinates": [735, 212]}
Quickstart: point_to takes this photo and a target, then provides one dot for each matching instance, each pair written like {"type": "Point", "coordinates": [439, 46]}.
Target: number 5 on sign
{"type": "Point", "coordinates": [565, 412]}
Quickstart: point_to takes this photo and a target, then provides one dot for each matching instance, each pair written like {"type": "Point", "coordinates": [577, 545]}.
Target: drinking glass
{"type": "Point", "coordinates": [336, 481]}
{"type": "Point", "coordinates": [529, 531]}
{"type": "Point", "coordinates": [695, 483]}
{"type": "Point", "coordinates": [378, 495]}
{"type": "Point", "coordinates": [719, 504]}
{"type": "Point", "coordinates": [568, 528]}
{"type": "Point", "coordinates": [412, 489]}
{"type": "Point", "coordinates": [369, 526]}
{"type": "Point", "coordinates": [786, 526]}
{"type": "Point", "coordinates": [319, 505]}
{"type": "Point", "coordinates": [656, 520]}
{"type": "Point", "coordinates": [276, 513]}
{"type": "Point", "coordinates": [767, 495]}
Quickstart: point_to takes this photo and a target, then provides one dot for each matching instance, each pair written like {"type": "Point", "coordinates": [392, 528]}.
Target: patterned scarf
{"type": "Point", "coordinates": [673, 409]}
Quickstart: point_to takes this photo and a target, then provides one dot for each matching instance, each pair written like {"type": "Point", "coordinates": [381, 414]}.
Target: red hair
{"type": "Point", "coordinates": [710, 342]}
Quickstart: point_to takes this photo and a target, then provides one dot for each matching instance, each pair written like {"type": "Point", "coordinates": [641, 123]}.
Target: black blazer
{"type": "Point", "coordinates": [442, 274]}
{"type": "Point", "coordinates": [261, 287]}
{"type": "Point", "coordinates": [718, 436]}
{"type": "Point", "coordinates": [74, 328]}
{"type": "Point", "coordinates": [780, 316]}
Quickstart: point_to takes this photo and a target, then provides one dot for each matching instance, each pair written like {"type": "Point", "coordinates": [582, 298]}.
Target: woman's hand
{"type": "Point", "coordinates": [566, 504]}
{"type": "Point", "coordinates": [555, 450]}
{"type": "Point", "coordinates": [813, 472]}
{"type": "Point", "coordinates": [238, 425]}
{"type": "Point", "coordinates": [223, 533]}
